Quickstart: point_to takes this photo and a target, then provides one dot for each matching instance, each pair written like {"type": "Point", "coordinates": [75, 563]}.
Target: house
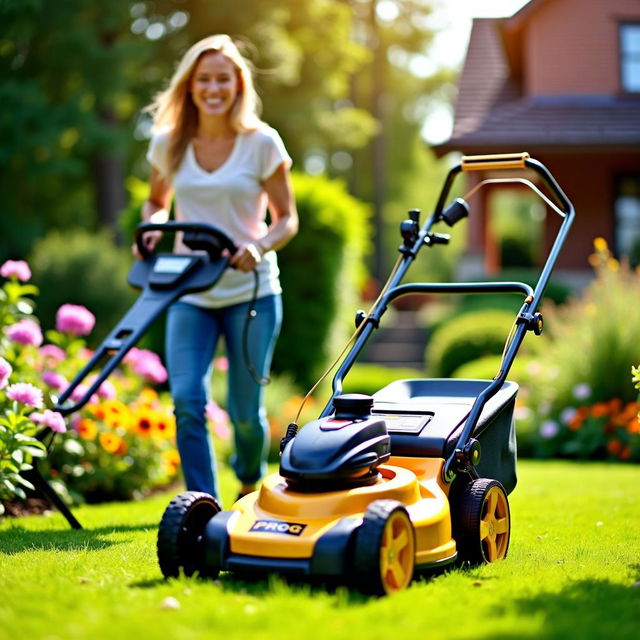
{"type": "Point", "coordinates": [561, 80]}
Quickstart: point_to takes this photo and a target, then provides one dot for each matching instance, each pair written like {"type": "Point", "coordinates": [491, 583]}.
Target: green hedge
{"type": "Point", "coordinates": [369, 378]}
{"type": "Point", "coordinates": [322, 271]}
{"type": "Point", "coordinates": [466, 338]}
{"type": "Point", "coordinates": [487, 367]}
{"type": "Point", "coordinates": [83, 268]}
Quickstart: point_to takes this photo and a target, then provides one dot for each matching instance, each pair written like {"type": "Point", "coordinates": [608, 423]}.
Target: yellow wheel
{"type": "Point", "coordinates": [385, 549]}
{"type": "Point", "coordinates": [482, 522]}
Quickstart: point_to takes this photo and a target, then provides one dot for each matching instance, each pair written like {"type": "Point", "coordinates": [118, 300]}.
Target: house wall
{"type": "Point", "coordinates": [587, 178]}
{"type": "Point", "coordinates": [588, 181]}
{"type": "Point", "coordinates": [568, 46]}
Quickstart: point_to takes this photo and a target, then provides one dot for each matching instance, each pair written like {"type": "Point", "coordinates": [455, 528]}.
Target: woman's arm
{"type": "Point", "coordinates": [155, 209]}
{"type": "Point", "coordinates": [284, 221]}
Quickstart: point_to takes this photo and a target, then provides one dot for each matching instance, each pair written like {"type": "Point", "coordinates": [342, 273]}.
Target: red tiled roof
{"type": "Point", "coordinates": [491, 112]}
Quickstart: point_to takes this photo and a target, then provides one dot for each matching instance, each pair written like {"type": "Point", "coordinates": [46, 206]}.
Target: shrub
{"type": "Point", "coordinates": [86, 269]}
{"type": "Point", "coordinates": [466, 338]}
{"type": "Point", "coordinates": [556, 292]}
{"type": "Point", "coordinates": [487, 367]}
{"type": "Point", "coordinates": [322, 271]}
{"type": "Point", "coordinates": [583, 404]}
{"type": "Point", "coordinates": [369, 378]}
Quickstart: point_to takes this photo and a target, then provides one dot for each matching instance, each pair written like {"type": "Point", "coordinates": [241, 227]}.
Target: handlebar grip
{"type": "Point", "coordinates": [494, 161]}
{"type": "Point", "coordinates": [201, 235]}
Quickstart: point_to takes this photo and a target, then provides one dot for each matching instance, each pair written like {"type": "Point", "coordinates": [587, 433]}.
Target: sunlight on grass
{"type": "Point", "coordinates": [570, 573]}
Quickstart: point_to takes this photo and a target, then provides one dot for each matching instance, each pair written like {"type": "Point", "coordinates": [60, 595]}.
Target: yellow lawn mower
{"type": "Point", "coordinates": [412, 478]}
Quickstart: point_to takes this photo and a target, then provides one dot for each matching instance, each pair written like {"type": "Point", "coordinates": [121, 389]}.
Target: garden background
{"type": "Point", "coordinates": [74, 78]}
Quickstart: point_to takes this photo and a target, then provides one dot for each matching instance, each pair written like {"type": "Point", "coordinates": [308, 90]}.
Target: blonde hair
{"type": "Point", "coordinates": [174, 110]}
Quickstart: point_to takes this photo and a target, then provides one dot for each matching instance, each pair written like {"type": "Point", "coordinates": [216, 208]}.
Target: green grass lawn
{"type": "Point", "coordinates": [571, 572]}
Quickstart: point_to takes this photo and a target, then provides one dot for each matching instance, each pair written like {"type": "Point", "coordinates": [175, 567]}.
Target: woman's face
{"type": "Point", "coordinates": [214, 85]}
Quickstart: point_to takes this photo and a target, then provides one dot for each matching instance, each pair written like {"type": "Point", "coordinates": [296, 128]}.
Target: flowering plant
{"type": "Point", "coordinates": [580, 403]}
{"type": "Point", "coordinates": [118, 446]}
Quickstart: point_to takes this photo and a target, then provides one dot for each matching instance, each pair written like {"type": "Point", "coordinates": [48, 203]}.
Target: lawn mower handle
{"type": "Point", "coordinates": [198, 235]}
{"type": "Point", "coordinates": [527, 319]}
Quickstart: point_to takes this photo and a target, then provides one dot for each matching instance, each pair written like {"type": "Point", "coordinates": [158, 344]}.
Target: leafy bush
{"type": "Point", "coordinates": [487, 367]}
{"type": "Point", "coordinates": [86, 269]}
{"type": "Point", "coordinates": [556, 292]}
{"type": "Point", "coordinates": [322, 271]}
{"type": "Point", "coordinates": [583, 404]}
{"type": "Point", "coordinates": [466, 338]}
{"type": "Point", "coordinates": [369, 378]}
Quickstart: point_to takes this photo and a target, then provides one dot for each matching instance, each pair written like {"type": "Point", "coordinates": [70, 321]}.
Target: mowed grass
{"type": "Point", "coordinates": [571, 572]}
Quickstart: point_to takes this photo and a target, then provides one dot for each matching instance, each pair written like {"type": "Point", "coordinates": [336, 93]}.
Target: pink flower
{"type": "Point", "coordinates": [147, 364]}
{"type": "Point", "coordinates": [219, 419]}
{"type": "Point", "coordinates": [47, 417]}
{"type": "Point", "coordinates": [25, 332]}
{"type": "Point", "coordinates": [53, 353]}
{"type": "Point", "coordinates": [51, 419]}
{"type": "Point", "coordinates": [5, 372]}
{"type": "Point", "coordinates": [54, 380]}
{"type": "Point", "coordinates": [75, 319]}
{"type": "Point", "coordinates": [221, 364]}
{"type": "Point", "coordinates": [78, 393]}
{"type": "Point", "coordinates": [106, 390]}
{"type": "Point", "coordinates": [25, 393]}
{"type": "Point", "coordinates": [18, 269]}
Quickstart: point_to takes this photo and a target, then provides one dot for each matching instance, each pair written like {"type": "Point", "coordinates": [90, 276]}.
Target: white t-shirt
{"type": "Point", "coordinates": [232, 199]}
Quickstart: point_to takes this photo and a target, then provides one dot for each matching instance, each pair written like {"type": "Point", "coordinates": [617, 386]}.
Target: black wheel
{"type": "Point", "coordinates": [180, 533]}
{"type": "Point", "coordinates": [481, 521]}
{"type": "Point", "coordinates": [384, 554]}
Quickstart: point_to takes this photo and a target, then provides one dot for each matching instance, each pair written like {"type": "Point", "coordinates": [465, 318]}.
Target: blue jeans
{"type": "Point", "coordinates": [192, 336]}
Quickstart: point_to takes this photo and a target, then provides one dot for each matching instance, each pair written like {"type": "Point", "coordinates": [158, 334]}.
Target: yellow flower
{"type": "Point", "coordinates": [143, 421]}
{"type": "Point", "coordinates": [171, 460]}
{"type": "Point", "coordinates": [164, 425]}
{"type": "Point", "coordinates": [600, 244]}
{"type": "Point", "coordinates": [613, 264]}
{"type": "Point", "coordinates": [148, 397]}
{"type": "Point", "coordinates": [112, 443]}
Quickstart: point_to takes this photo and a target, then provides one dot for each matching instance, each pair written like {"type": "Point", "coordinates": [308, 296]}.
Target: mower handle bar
{"type": "Point", "coordinates": [504, 161]}
{"type": "Point", "coordinates": [526, 319]}
{"type": "Point", "coordinates": [209, 231]}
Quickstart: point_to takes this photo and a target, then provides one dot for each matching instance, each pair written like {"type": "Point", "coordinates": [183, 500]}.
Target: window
{"type": "Point", "coordinates": [630, 57]}
{"type": "Point", "coordinates": [627, 217]}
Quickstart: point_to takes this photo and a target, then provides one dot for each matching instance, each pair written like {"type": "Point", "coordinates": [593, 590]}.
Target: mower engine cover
{"type": "Point", "coordinates": [338, 451]}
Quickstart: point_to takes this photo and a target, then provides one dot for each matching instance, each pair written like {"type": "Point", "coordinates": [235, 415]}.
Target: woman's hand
{"type": "Point", "coordinates": [246, 258]}
{"type": "Point", "coordinates": [150, 240]}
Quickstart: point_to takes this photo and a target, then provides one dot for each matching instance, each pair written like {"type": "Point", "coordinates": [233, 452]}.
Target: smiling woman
{"type": "Point", "coordinates": [225, 167]}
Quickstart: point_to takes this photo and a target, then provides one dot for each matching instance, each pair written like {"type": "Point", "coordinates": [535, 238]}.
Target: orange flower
{"type": "Point", "coordinates": [600, 410]}
{"type": "Point", "coordinates": [113, 413]}
{"type": "Point", "coordinates": [633, 426]}
{"type": "Point", "coordinates": [615, 405]}
{"type": "Point", "coordinates": [630, 411]}
{"type": "Point", "coordinates": [87, 429]}
{"type": "Point", "coordinates": [576, 422]}
{"type": "Point", "coordinates": [97, 410]}
{"type": "Point", "coordinates": [625, 453]}
{"type": "Point", "coordinates": [112, 443]}
{"type": "Point", "coordinates": [614, 447]}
